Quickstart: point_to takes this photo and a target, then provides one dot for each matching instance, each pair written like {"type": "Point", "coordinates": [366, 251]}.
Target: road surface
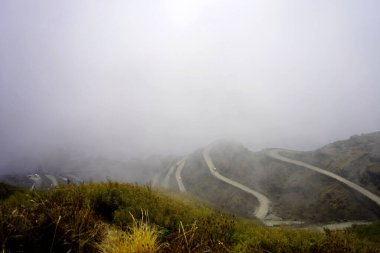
{"type": "Point", "coordinates": [37, 181]}
{"type": "Point", "coordinates": [264, 203]}
{"type": "Point", "coordinates": [53, 180]}
{"type": "Point", "coordinates": [178, 175]}
{"type": "Point", "coordinates": [74, 179]}
{"type": "Point", "coordinates": [274, 153]}
{"type": "Point", "coordinates": [341, 225]}
{"type": "Point", "coordinates": [166, 181]}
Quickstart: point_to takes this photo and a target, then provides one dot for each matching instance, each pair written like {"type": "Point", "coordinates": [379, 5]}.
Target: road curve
{"type": "Point", "coordinates": [274, 153]}
{"type": "Point", "coordinates": [37, 181]}
{"type": "Point", "coordinates": [53, 180]}
{"type": "Point", "coordinates": [178, 175]}
{"type": "Point", "coordinates": [166, 181]}
{"type": "Point", "coordinates": [264, 203]}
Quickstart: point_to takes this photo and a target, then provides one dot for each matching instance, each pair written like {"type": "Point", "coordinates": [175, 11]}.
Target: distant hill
{"type": "Point", "coordinates": [74, 167]}
{"type": "Point", "coordinates": [295, 192]}
{"type": "Point", "coordinates": [357, 159]}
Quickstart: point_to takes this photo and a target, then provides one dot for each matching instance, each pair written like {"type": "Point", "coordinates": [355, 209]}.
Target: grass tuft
{"type": "Point", "coordinates": [140, 238]}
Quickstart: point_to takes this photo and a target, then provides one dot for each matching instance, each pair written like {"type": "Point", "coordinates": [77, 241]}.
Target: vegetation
{"type": "Point", "coordinates": [7, 190]}
{"type": "Point", "coordinates": [141, 237]}
{"type": "Point", "coordinates": [370, 233]}
{"type": "Point", "coordinates": [113, 217]}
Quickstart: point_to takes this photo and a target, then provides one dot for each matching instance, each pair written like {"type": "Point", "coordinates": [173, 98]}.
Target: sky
{"type": "Point", "coordinates": [124, 78]}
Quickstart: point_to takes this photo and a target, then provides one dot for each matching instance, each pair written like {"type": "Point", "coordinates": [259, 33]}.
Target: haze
{"type": "Point", "coordinates": [128, 78]}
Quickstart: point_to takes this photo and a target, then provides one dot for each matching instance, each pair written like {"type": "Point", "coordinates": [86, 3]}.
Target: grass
{"type": "Point", "coordinates": [140, 238]}
{"type": "Point", "coordinates": [7, 190]}
{"type": "Point", "coordinates": [113, 217]}
{"type": "Point", "coordinates": [370, 233]}
{"type": "Point", "coordinates": [256, 238]}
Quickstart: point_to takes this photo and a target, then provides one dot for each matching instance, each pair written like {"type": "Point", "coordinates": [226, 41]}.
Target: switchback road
{"type": "Point", "coordinates": [166, 181]}
{"type": "Point", "coordinates": [274, 153]}
{"type": "Point", "coordinates": [53, 180]}
{"type": "Point", "coordinates": [178, 175]}
{"type": "Point", "coordinates": [264, 203]}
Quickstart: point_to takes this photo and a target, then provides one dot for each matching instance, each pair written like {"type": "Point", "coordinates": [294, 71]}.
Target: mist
{"type": "Point", "coordinates": [121, 79]}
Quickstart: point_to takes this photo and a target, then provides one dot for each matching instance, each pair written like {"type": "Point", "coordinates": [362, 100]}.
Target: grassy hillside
{"type": "Point", "coordinates": [113, 217]}
{"type": "Point", "coordinates": [7, 190]}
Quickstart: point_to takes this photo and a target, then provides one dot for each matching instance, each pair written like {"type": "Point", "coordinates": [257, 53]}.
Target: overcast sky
{"type": "Point", "coordinates": [122, 77]}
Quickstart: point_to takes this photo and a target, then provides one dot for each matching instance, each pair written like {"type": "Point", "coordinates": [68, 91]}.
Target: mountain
{"type": "Point", "coordinates": [337, 182]}
{"type": "Point", "coordinates": [295, 193]}
{"type": "Point", "coordinates": [357, 159]}
{"type": "Point", "coordinates": [62, 167]}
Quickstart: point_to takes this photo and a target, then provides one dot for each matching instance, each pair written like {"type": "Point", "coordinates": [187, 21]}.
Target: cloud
{"type": "Point", "coordinates": [122, 78]}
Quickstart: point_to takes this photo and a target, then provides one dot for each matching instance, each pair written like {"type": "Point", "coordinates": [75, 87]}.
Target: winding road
{"type": "Point", "coordinates": [274, 153]}
{"type": "Point", "coordinates": [178, 175]}
{"type": "Point", "coordinates": [37, 181]}
{"type": "Point", "coordinates": [166, 181]}
{"type": "Point", "coordinates": [53, 180]}
{"type": "Point", "coordinates": [264, 203]}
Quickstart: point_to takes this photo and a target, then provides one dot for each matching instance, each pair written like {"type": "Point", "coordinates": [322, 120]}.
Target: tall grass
{"type": "Point", "coordinates": [107, 217]}
{"type": "Point", "coordinates": [58, 220]}
{"type": "Point", "coordinates": [140, 238]}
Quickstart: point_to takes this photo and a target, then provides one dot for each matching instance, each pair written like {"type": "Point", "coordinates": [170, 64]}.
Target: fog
{"type": "Point", "coordinates": [133, 78]}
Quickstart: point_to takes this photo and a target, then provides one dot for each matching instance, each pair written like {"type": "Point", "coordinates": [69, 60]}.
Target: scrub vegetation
{"type": "Point", "coordinates": [114, 217]}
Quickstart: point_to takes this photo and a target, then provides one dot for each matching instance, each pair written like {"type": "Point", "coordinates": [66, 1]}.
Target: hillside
{"type": "Point", "coordinates": [297, 194]}
{"type": "Point", "coordinates": [357, 159]}
{"type": "Point", "coordinates": [63, 167]}
{"type": "Point", "coordinates": [112, 217]}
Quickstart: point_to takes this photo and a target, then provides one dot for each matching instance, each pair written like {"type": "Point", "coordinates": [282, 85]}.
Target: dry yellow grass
{"type": "Point", "coordinates": [141, 238]}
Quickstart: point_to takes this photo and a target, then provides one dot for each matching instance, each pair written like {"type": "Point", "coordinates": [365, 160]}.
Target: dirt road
{"type": "Point", "coordinates": [53, 180]}
{"type": "Point", "coordinates": [166, 181]}
{"type": "Point", "coordinates": [274, 153]}
{"type": "Point", "coordinates": [264, 203]}
{"type": "Point", "coordinates": [178, 175]}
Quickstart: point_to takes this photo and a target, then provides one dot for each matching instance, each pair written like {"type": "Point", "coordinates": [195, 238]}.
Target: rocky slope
{"type": "Point", "coordinates": [357, 159]}
{"type": "Point", "coordinates": [296, 193]}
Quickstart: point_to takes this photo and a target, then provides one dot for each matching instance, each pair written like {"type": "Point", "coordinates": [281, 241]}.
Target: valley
{"type": "Point", "coordinates": [284, 190]}
{"type": "Point", "coordinates": [274, 186]}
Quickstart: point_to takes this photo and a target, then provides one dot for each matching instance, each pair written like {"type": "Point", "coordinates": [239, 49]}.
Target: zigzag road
{"type": "Point", "coordinates": [178, 175]}
{"type": "Point", "coordinates": [53, 180]}
{"type": "Point", "coordinates": [264, 203]}
{"type": "Point", "coordinates": [274, 153]}
{"type": "Point", "coordinates": [166, 181]}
